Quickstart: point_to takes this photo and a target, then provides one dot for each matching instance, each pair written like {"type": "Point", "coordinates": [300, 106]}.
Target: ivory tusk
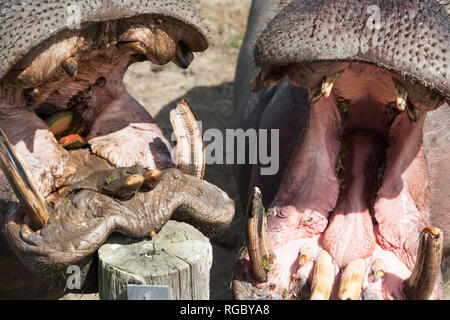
{"type": "Point", "coordinates": [190, 149]}
{"type": "Point", "coordinates": [23, 184]}
{"type": "Point", "coordinates": [420, 284]}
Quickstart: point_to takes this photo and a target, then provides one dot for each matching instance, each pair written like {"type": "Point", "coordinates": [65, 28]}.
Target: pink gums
{"type": "Point", "coordinates": [358, 228]}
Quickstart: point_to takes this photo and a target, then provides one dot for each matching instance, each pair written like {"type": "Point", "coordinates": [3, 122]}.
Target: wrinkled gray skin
{"type": "Point", "coordinates": [41, 21]}
{"type": "Point", "coordinates": [81, 215]}
{"type": "Point", "coordinates": [275, 37]}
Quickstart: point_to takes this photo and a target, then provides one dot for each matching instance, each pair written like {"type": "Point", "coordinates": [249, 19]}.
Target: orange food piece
{"type": "Point", "coordinates": [73, 141]}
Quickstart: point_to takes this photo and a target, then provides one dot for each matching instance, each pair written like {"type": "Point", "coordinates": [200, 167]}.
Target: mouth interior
{"type": "Point", "coordinates": [356, 185]}
{"type": "Point", "coordinates": [81, 101]}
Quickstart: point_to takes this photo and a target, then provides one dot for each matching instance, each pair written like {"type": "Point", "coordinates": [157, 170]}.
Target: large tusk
{"type": "Point", "coordinates": [266, 251]}
{"type": "Point", "coordinates": [352, 280]}
{"type": "Point", "coordinates": [23, 184]}
{"type": "Point", "coordinates": [420, 284]}
{"type": "Point", "coordinates": [190, 149]}
{"type": "Point", "coordinates": [323, 279]}
{"type": "Point", "coordinates": [255, 211]}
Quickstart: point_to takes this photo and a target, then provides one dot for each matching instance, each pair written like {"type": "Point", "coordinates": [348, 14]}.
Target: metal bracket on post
{"type": "Point", "coordinates": [147, 292]}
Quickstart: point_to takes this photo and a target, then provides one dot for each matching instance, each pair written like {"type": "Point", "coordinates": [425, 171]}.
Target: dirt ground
{"type": "Point", "coordinates": [207, 84]}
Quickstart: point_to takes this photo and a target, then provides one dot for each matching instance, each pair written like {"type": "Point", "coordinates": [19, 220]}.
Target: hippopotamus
{"type": "Point", "coordinates": [359, 93]}
{"type": "Point", "coordinates": [81, 158]}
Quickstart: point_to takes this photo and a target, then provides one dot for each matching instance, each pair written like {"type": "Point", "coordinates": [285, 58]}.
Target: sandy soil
{"type": "Point", "coordinates": [207, 84]}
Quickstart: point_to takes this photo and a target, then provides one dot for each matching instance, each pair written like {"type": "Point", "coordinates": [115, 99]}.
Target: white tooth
{"type": "Point", "coordinates": [401, 103]}
{"type": "Point", "coordinates": [327, 84]}
{"type": "Point", "coordinates": [401, 95]}
{"type": "Point", "coordinates": [190, 149]}
{"type": "Point", "coordinates": [305, 256]}
{"type": "Point", "coordinates": [351, 280]}
{"type": "Point", "coordinates": [254, 210]}
{"type": "Point", "coordinates": [378, 268]}
{"type": "Point", "coordinates": [324, 274]}
{"type": "Point", "coordinates": [23, 184]}
{"type": "Point", "coordinates": [422, 281]}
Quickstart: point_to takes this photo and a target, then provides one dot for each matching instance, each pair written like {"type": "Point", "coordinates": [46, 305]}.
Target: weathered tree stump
{"type": "Point", "coordinates": [179, 257]}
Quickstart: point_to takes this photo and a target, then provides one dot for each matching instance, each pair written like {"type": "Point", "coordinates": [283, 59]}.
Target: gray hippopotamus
{"type": "Point", "coordinates": [80, 158]}
{"type": "Point", "coordinates": [359, 208]}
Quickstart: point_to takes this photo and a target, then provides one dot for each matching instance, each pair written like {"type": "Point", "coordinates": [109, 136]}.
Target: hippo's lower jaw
{"type": "Point", "coordinates": [353, 200]}
{"type": "Point", "coordinates": [122, 179]}
{"type": "Point", "coordinates": [96, 201]}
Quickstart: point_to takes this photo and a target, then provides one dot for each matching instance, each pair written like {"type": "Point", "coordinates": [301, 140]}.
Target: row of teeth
{"type": "Point", "coordinates": [401, 102]}
{"type": "Point", "coordinates": [419, 286]}
{"type": "Point", "coordinates": [183, 57]}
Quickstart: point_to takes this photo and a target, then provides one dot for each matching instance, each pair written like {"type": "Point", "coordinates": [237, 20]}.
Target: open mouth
{"type": "Point", "coordinates": [350, 218]}
{"type": "Point", "coordinates": [85, 159]}
{"type": "Point", "coordinates": [350, 215]}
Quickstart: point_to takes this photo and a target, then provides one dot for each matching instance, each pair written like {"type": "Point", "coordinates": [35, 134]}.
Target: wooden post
{"type": "Point", "coordinates": [179, 257]}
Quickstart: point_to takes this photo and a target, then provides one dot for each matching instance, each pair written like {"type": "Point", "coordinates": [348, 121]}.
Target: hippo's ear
{"type": "Point", "coordinates": [23, 184]}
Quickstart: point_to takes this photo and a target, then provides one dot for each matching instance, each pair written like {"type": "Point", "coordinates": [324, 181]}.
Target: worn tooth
{"type": "Point", "coordinates": [133, 47]}
{"type": "Point", "coordinates": [151, 178]}
{"type": "Point", "coordinates": [183, 56]}
{"type": "Point", "coordinates": [255, 211]}
{"type": "Point", "coordinates": [378, 268]}
{"type": "Point", "coordinates": [324, 275]}
{"type": "Point", "coordinates": [124, 187]}
{"type": "Point", "coordinates": [420, 284]}
{"type": "Point", "coordinates": [402, 95]}
{"type": "Point", "coordinates": [70, 66]}
{"type": "Point", "coordinates": [352, 280]}
{"type": "Point", "coordinates": [328, 82]}
{"type": "Point", "coordinates": [190, 149]}
{"type": "Point", "coordinates": [305, 256]}
{"type": "Point", "coordinates": [134, 181]}
{"type": "Point", "coordinates": [23, 184]}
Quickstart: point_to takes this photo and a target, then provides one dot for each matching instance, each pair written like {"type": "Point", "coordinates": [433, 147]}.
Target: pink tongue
{"type": "Point", "coordinates": [350, 234]}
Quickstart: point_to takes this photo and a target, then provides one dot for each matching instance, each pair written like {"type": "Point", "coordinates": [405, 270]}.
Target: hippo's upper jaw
{"type": "Point", "coordinates": [355, 195]}
{"type": "Point", "coordinates": [62, 90]}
